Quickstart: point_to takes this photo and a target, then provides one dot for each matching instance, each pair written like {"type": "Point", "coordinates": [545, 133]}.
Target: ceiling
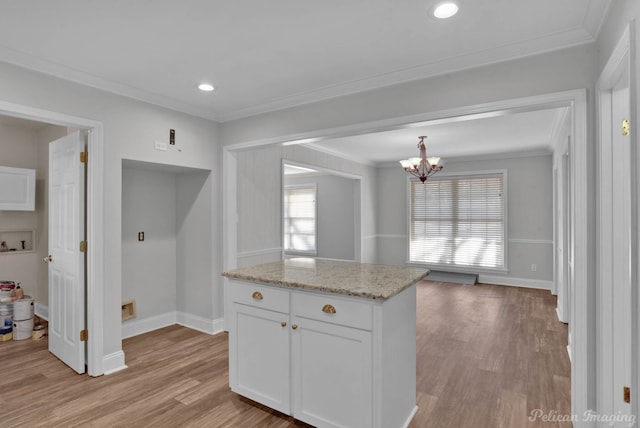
{"type": "Point", "coordinates": [267, 55]}
{"type": "Point", "coordinates": [495, 135]}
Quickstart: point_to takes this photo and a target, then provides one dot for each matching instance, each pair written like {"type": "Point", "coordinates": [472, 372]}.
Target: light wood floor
{"type": "Point", "coordinates": [487, 356]}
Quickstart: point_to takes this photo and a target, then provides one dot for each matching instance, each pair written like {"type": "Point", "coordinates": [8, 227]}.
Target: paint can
{"type": "Point", "coordinates": [6, 317]}
{"type": "Point", "coordinates": [7, 285]}
{"type": "Point", "coordinates": [6, 295]}
{"type": "Point", "coordinates": [38, 332]}
{"type": "Point", "coordinates": [22, 329]}
{"type": "Point", "coordinates": [23, 308]}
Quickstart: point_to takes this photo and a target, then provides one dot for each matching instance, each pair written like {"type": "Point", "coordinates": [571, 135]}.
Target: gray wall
{"type": "Point", "coordinates": [27, 148]}
{"type": "Point", "coordinates": [130, 129]}
{"type": "Point", "coordinates": [336, 222]}
{"type": "Point", "coordinates": [260, 205]}
{"type": "Point", "coordinates": [171, 269]}
{"type": "Point", "coordinates": [149, 204]}
{"type": "Point", "coordinates": [529, 211]}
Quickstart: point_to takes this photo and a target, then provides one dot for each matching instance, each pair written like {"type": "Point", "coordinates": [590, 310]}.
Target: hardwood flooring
{"type": "Point", "coordinates": [487, 356]}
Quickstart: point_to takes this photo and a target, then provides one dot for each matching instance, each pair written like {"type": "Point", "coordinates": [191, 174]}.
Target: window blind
{"type": "Point", "coordinates": [458, 221]}
{"type": "Point", "coordinates": [300, 219]}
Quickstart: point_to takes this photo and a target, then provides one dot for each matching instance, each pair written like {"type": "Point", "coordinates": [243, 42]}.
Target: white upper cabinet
{"type": "Point", "coordinates": [17, 189]}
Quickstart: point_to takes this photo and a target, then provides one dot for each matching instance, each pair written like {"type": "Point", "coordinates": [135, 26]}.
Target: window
{"type": "Point", "coordinates": [300, 219]}
{"type": "Point", "coordinates": [458, 221]}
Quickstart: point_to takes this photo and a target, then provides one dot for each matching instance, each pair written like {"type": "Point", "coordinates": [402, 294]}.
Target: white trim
{"type": "Point", "coordinates": [337, 153]}
{"type": "Point", "coordinates": [530, 241]}
{"type": "Point", "coordinates": [539, 284]}
{"type": "Point", "coordinates": [42, 311]}
{"type": "Point", "coordinates": [113, 363]}
{"type": "Point", "coordinates": [389, 236]}
{"type": "Point", "coordinates": [135, 327]}
{"type": "Point", "coordinates": [138, 326]}
{"type": "Point", "coordinates": [262, 252]}
{"type": "Point", "coordinates": [559, 315]}
{"type": "Point", "coordinates": [410, 417]}
{"type": "Point", "coordinates": [198, 323]}
{"type": "Point", "coordinates": [95, 221]}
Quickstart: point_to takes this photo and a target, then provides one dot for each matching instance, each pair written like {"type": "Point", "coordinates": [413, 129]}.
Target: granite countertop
{"type": "Point", "coordinates": [339, 277]}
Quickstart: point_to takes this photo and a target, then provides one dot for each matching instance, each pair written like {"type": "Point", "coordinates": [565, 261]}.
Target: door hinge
{"type": "Point", "coordinates": [84, 157]}
{"type": "Point", "coordinates": [626, 394]}
{"type": "Point", "coordinates": [83, 246]}
{"type": "Point", "coordinates": [84, 335]}
{"type": "Point", "coordinates": [625, 127]}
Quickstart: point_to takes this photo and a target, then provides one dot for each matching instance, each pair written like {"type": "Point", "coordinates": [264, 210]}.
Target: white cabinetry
{"type": "Point", "coordinates": [326, 359]}
{"type": "Point", "coordinates": [17, 189]}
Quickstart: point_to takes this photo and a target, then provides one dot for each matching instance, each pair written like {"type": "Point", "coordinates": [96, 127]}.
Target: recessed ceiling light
{"type": "Point", "coordinates": [445, 10]}
{"type": "Point", "coordinates": [205, 87]}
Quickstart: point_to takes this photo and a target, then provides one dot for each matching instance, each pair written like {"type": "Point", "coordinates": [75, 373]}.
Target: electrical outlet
{"type": "Point", "coordinates": [534, 268]}
{"type": "Point", "coordinates": [159, 145]}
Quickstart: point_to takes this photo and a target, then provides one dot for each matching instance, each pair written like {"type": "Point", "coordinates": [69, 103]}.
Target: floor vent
{"type": "Point", "coordinates": [458, 278]}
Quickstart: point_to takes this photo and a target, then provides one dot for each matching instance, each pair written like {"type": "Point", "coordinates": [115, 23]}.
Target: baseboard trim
{"type": "Point", "coordinates": [515, 282]}
{"type": "Point", "coordinates": [42, 311]}
{"type": "Point", "coordinates": [199, 323]}
{"type": "Point", "coordinates": [113, 362]}
{"type": "Point", "coordinates": [410, 417]}
{"type": "Point", "coordinates": [135, 327]}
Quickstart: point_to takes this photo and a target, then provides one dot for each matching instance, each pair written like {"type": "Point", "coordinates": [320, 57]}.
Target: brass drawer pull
{"type": "Point", "coordinates": [257, 295]}
{"type": "Point", "coordinates": [328, 309]}
{"type": "Point", "coordinates": [284, 324]}
{"type": "Point", "coordinates": [294, 327]}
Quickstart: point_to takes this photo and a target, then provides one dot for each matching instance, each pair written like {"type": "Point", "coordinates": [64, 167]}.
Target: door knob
{"type": "Point", "coordinates": [48, 259]}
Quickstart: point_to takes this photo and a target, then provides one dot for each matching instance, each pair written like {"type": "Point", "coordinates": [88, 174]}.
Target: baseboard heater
{"type": "Point", "coordinates": [455, 277]}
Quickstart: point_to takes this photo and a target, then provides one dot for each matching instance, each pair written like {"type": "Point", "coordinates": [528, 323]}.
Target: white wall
{"type": "Point", "coordinates": [336, 222]}
{"type": "Point", "coordinates": [529, 210]}
{"type": "Point", "coordinates": [130, 129]}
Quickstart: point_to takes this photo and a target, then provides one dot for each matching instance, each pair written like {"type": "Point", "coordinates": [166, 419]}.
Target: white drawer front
{"type": "Point", "coordinates": [259, 296]}
{"type": "Point", "coordinates": [320, 307]}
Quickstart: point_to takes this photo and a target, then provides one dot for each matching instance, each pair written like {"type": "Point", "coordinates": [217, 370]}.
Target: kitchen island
{"type": "Point", "coordinates": [331, 343]}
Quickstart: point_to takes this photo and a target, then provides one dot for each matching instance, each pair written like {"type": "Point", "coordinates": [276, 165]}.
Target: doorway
{"type": "Point", "coordinates": [617, 235]}
{"type": "Point", "coordinates": [95, 220]}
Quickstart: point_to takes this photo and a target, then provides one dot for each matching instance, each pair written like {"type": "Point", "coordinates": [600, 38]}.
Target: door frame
{"type": "Point", "coordinates": [95, 220]}
{"type": "Point", "coordinates": [622, 59]}
{"type": "Point", "coordinates": [582, 348]}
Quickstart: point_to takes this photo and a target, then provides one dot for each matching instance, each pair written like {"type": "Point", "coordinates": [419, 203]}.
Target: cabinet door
{"type": "Point", "coordinates": [332, 374]}
{"type": "Point", "coordinates": [259, 356]}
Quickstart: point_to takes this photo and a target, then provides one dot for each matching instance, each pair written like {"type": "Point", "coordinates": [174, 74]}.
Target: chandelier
{"type": "Point", "coordinates": [422, 167]}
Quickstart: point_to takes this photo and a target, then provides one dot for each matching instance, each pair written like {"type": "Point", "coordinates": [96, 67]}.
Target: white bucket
{"type": "Point", "coordinates": [5, 295]}
{"type": "Point", "coordinates": [6, 317]}
{"type": "Point", "coordinates": [22, 329]}
{"type": "Point", "coordinates": [23, 308]}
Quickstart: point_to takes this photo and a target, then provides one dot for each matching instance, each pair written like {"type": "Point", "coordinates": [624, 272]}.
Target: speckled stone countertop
{"type": "Point", "coordinates": [339, 277]}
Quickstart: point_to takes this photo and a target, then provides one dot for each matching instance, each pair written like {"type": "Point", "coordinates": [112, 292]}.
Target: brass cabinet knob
{"type": "Point", "coordinates": [328, 309]}
{"type": "Point", "coordinates": [283, 323]}
{"type": "Point", "coordinates": [294, 327]}
{"type": "Point", "coordinates": [257, 295]}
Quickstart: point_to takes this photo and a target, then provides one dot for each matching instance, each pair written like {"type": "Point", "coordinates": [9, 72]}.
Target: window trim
{"type": "Point", "coordinates": [451, 267]}
{"type": "Point", "coordinates": [314, 252]}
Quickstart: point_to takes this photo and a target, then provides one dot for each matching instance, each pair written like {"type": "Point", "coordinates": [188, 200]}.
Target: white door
{"type": "Point", "coordinates": [66, 261]}
{"type": "Point", "coordinates": [621, 245]}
